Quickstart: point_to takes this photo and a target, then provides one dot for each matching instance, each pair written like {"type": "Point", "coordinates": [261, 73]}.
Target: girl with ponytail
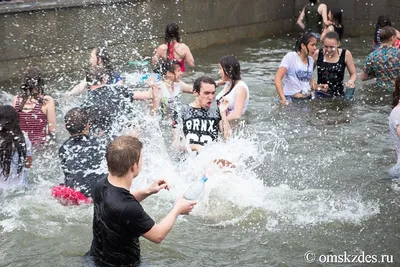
{"type": "Point", "coordinates": [36, 111]}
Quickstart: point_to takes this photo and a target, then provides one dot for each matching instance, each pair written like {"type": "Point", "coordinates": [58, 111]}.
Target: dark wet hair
{"type": "Point", "coordinates": [203, 79]}
{"type": "Point", "coordinates": [171, 34]}
{"type": "Point", "coordinates": [97, 75]}
{"type": "Point", "coordinates": [332, 35]}
{"type": "Point", "coordinates": [313, 1]}
{"type": "Point", "coordinates": [231, 67]}
{"type": "Point", "coordinates": [382, 22]}
{"type": "Point", "coordinates": [11, 140]}
{"type": "Point", "coordinates": [32, 85]}
{"type": "Point", "coordinates": [76, 120]}
{"type": "Point", "coordinates": [303, 38]}
{"type": "Point", "coordinates": [396, 92]}
{"type": "Point", "coordinates": [165, 66]}
{"type": "Point", "coordinates": [337, 16]}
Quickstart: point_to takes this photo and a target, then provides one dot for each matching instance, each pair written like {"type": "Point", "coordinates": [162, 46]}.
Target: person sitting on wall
{"type": "Point", "coordinates": [81, 158]}
{"type": "Point", "coordinates": [383, 63]}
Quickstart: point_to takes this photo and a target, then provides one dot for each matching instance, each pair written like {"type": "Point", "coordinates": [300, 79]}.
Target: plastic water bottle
{"type": "Point", "coordinates": [196, 189]}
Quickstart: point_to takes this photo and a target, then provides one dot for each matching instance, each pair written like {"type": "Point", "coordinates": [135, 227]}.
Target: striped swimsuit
{"type": "Point", "coordinates": [33, 123]}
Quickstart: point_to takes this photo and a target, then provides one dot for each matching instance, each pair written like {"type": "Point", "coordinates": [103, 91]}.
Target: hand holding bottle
{"type": "Point", "coordinates": [183, 206]}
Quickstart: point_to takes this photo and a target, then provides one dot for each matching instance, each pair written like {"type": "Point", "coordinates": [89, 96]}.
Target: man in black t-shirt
{"type": "Point", "coordinates": [81, 158]}
{"type": "Point", "coordinates": [109, 106]}
{"type": "Point", "coordinates": [119, 219]}
{"type": "Point", "coordinates": [202, 123]}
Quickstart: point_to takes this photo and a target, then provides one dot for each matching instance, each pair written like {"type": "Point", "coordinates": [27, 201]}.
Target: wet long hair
{"type": "Point", "coordinates": [396, 92]}
{"type": "Point", "coordinates": [171, 34]}
{"type": "Point", "coordinates": [382, 22]}
{"type": "Point", "coordinates": [102, 53]}
{"type": "Point", "coordinates": [32, 86]}
{"type": "Point", "coordinates": [337, 16]}
{"type": "Point", "coordinates": [231, 67]}
{"type": "Point", "coordinates": [168, 65]}
{"type": "Point", "coordinates": [11, 140]}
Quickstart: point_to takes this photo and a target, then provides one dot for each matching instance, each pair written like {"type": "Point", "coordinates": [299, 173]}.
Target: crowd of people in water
{"type": "Point", "coordinates": [99, 164]}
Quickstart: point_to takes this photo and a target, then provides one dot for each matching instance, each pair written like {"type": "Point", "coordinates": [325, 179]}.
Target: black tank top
{"type": "Point", "coordinates": [332, 73]}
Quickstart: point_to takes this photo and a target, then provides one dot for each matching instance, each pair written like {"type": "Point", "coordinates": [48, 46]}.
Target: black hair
{"type": "Point", "coordinates": [32, 85]}
{"type": "Point", "coordinates": [231, 67]}
{"type": "Point", "coordinates": [165, 66]}
{"type": "Point", "coordinates": [11, 140]}
{"type": "Point", "coordinates": [332, 35]}
{"type": "Point", "coordinates": [396, 92]}
{"type": "Point", "coordinates": [76, 120]}
{"type": "Point", "coordinates": [203, 79]}
{"type": "Point", "coordinates": [382, 22]}
{"type": "Point", "coordinates": [102, 53]}
{"type": "Point", "coordinates": [171, 34]}
{"type": "Point", "coordinates": [303, 38]}
{"type": "Point", "coordinates": [313, 1]}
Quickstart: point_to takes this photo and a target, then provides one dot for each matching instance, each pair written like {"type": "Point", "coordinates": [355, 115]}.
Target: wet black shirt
{"type": "Point", "coordinates": [200, 126]}
{"type": "Point", "coordinates": [81, 157]}
{"type": "Point", "coordinates": [332, 73]}
{"type": "Point", "coordinates": [107, 106]}
{"type": "Point", "coordinates": [118, 222]}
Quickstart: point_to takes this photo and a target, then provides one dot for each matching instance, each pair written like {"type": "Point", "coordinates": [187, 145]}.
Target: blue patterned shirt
{"type": "Point", "coordinates": [384, 64]}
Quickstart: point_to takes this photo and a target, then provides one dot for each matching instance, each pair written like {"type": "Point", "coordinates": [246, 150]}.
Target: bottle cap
{"type": "Point", "coordinates": [204, 179]}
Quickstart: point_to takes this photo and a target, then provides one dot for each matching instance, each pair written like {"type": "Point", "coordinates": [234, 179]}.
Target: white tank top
{"type": "Point", "coordinates": [169, 100]}
{"type": "Point", "coordinates": [231, 96]}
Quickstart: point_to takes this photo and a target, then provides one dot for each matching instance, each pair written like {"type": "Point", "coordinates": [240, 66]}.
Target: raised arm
{"type": "Point", "coordinates": [186, 88]}
{"type": "Point", "coordinates": [323, 10]}
{"type": "Point", "coordinates": [300, 19]}
{"type": "Point", "coordinates": [351, 68]}
{"type": "Point", "coordinates": [278, 83]}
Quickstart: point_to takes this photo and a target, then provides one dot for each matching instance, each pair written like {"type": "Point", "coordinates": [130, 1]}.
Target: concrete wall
{"type": "Point", "coordinates": [58, 36]}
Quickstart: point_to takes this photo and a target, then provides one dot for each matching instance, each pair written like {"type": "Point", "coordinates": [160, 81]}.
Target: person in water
{"type": "Point", "coordinates": [335, 18]}
{"type": "Point", "coordinates": [383, 63]}
{"type": "Point", "coordinates": [331, 64]}
{"type": "Point", "coordinates": [394, 127]}
{"type": "Point", "coordinates": [173, 49]}
{"type": "Point", "coordinates": [384, 21]}
{"type": "Point", "coordinates": [235, 90]}
{"type": "Point", "coordinates": [82, 157]}
{"type": "Point", "coordinates": [118, 218]}
{"type": "Point", "coordinates": [313, 17]}
{"type": "Point", "coordinates": [296, 71]}
{"type": "Point", "coordinates": [200, 122]}
{"type": "Point", "coordinates": [99, 57]}
{"type": "Point", "coordinates": [108, 106]}
{"type": "Point", "coordinates": [36, 110]}
{"type": "Point", "coordinates": [15, 150]}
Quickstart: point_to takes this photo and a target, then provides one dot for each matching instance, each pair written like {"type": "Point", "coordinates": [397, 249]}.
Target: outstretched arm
{"type": "Point", "coordinates": [160, 230]}
{"type": "Point", "coordinates": [78, 89]}
{"type": "Point", "coordinates": [154, 188]}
